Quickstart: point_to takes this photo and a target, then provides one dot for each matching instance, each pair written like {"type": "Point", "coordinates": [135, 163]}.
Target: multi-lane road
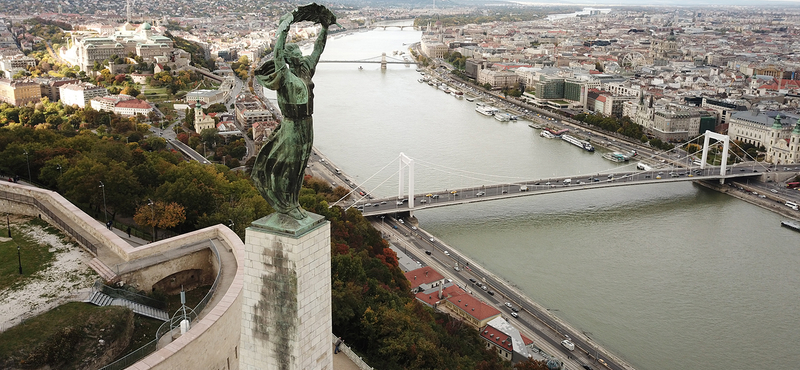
{"type": "Point", "coordinates": [390, 205]}
{"type": "Point", "coordinates": [535, 321]}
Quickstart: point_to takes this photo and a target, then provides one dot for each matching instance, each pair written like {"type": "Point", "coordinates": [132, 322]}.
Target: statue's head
{"type": "Point", "coordinates": [294, 56]}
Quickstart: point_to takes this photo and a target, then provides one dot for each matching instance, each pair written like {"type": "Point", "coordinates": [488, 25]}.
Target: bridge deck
{"type": "Point", "coordinates": [376, 207]}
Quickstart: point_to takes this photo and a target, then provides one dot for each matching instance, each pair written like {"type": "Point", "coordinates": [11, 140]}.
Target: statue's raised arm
{"type": "Point", "coordinates": [281, 162]}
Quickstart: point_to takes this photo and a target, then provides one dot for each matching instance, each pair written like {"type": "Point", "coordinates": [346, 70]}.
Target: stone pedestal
{"type": "Point", "coordinates": [286, 305]}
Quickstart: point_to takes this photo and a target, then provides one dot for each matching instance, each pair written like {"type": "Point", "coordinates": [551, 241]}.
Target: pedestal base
{"type": "Point", "coordinates": [286, 310]}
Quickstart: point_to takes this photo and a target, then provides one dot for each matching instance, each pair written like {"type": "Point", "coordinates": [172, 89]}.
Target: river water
{"type": "Point", "coordinates": [665, 276]}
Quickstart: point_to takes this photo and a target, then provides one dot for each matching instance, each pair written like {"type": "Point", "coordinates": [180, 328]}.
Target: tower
{"type": "Point", "coordinates": [794, 144]}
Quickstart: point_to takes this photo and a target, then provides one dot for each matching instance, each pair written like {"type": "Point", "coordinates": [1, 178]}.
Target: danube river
{"type": "Point", "coordinates": [665, 276]}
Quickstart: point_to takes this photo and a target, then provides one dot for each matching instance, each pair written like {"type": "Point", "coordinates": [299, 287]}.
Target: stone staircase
{"type": "Point", "coordinates": [102, 299]}
{"type": "Point", "coordinates": [104, 271]}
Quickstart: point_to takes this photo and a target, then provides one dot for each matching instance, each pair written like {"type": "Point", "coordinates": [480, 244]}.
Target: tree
{"type": "Point", "coordinates": [159, 214]}
{"type": "Point", "coordinates": [531, 364]}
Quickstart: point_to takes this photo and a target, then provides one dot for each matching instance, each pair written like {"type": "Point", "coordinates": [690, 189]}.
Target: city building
{"type": "Point", "coordinates": [250, 109]}
{"type": "Point", "coordinates": [133, 107]}
{"type": "Point", "coordinates": [50, 86]}
{"type": "Point", "coordinates": [202, 121]}
{"type": "Point", "coordinates": [140, 40]}
{"type": "Point", "coordinates": [508, 342]}
{"type": "Point", "coordinates": [207, 97]}
{"type": "Point", "coordinates": [80, 94]}
{"type": "Point", "coordinates": [471, 310]}
{"type": "Point", "coordinates": [15, 63]}
{"type": "Point", "coordinates": [497, 78]}
{"type": "Point", "coordinates": [424, 278]}
{"type": "Point", "coordinates": [19, 92]}
{"type": "Point", "coordinates": [758, 128]}
{"type": "Point", "coordinates": [782, 150]}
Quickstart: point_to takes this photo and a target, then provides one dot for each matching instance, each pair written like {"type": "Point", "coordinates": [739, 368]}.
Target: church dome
{"type": "Point", "coordinates": [146, 26]}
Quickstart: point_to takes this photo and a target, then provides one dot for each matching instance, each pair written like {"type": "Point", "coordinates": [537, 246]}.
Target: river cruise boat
{"type": "Point", "coordinates": [577, 142]}
{"type": "Point", "coordinates": [486, 110]}
{"type": "Point", "coordinates": [616, 157]}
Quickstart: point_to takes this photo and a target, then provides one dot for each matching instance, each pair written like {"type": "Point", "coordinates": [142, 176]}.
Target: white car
{"type": "Point", "coordinates": [446, 253]}
{"type": "Point", "coordinates": [568, 344]}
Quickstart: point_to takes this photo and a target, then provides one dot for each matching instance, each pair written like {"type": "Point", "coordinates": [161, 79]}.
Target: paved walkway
{"type": "Point", "coordinates": [342, 362]}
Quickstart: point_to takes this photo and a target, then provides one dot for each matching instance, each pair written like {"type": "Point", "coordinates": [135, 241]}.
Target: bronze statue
{"type": "Point", "coordinates": [279, 166]}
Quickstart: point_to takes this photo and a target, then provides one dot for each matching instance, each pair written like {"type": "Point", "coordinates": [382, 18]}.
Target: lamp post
{"type": "Point", "coordinates": [19, 258]}
{"type": "Point", "coordinates": [8, 224]}
{"type": "Point", "coordinates": [105, 208]}
{"type": "Point", "coordinates": [28, 161]}
{"type": "Point", "coordinates": [153, 207]}
{"type": "Point", "coordinates": [60, 173]}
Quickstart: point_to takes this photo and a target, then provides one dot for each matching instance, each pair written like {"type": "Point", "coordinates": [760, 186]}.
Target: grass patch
{"type": "Point", "coordinates": [35, 257]}
{"type": "Point", "coordinates": [64, 337]}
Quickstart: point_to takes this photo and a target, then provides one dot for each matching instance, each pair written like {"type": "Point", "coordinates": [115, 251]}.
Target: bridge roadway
{"type": "Point", "coordinates": [449, 197]}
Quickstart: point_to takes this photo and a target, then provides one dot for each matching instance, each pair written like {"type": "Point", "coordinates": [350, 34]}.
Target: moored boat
{"type": "Point", "coordinates": [794, 225]}
{"type": "Point", "coordinates": [470, 98]}
{"type": "Point", "coordinates": [486, 110]}
{"type": "Point", "coordinates": [502, 117]}
{"type": "Point", "coordinates": [577, 142]}
{"type": "Point", "coordinates": [547, 135]}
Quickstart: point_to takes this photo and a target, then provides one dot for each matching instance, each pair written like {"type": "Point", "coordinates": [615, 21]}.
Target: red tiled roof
{"type": "Point", "coordinates": [497, 337]}
{"type": "Point", "coordinates": [425, 275]}
{"type": "Point", "coordinates": [433, 297]}
{"type": "Point", "coordinates": [473, 307]}
{"type": "Point", "coordinates": [133, 103]}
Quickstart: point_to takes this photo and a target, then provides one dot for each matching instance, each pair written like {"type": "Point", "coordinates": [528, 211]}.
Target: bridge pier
{"type": "Point", "coordinates": [383, 60]}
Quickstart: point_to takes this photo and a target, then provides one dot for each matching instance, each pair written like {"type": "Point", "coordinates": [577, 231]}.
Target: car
{"type": "Point", "coordinates": [480, 194]}
{"type": "Point", "coordinates": [484, 287]}
{"type": "Point", "coordinates": [773, 190]}
{"type": "Point", "coordinates": [762, 196]}
{"type": "Point", "coordinates": [368, 205]}
{"type": "Point", "coordinates": [428, 195]}
{"type": "Point", "coordinates": [658, 177]}
{"type": "Point", "coordinates": [423, 201]}
{"type": "Point", "coordinates": [376, 204]}
{"type": "Point", "coordinates": [741, 170]}
{"type": "Point", "coordinates": [446, 253]}
{"type": "Point", "coordinates": [587, 367]}
{"type": "Point", "coordinates": [755, 193]}
{"type": "Point", "coordinates": [394, 227]}
{"type": "Point", "coordinates": [514, 314]}
{"type": "Point", "coordinates": [399, 203]}
{"type": "Point", "coordinates": [473, 280]}
{"type": "Point", "coordinates": [602, 362]}
{"type": "Point", "coordinates": [514, 309]}
{"type": "Point", "coordinates": [490, 292]}
{"type": "Point", "coordinates": [568, 344]}
{"type": "Point", "coordinates": [454, 192]}
{"type": "Point", "coordinates": [647, 176]}
{"type": "Point", "coordinates": [413, 227]}
{"type": "Point", "coordinates": [428, 252]}
{"type": "Point", "coordinates": [435, 196]}
{"type": "Point", "coordinates": [508, 304]}
{"type": "Point", "coordinates": [361, 193]}
{"type": "Point", "coordinates": [431, 239]}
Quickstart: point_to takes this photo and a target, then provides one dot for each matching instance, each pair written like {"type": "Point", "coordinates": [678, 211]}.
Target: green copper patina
{"type": "Point", "coordinates": [279, 166]}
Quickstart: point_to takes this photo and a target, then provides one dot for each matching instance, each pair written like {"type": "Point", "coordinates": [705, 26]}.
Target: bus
{"type": "Point", "coordinates": [793, 185]}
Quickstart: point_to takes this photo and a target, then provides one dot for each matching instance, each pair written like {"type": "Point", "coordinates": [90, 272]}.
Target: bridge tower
{"type": "Point", "coordinates": [383, 66]}
{"type": "Point", "coordinates": [726, 144]}
{"type": "Point", "coordinates": [405, 161]}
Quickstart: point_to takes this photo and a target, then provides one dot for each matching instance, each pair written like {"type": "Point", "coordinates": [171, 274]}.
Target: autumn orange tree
{"type": "Point", "coordinates": [159, 214]}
